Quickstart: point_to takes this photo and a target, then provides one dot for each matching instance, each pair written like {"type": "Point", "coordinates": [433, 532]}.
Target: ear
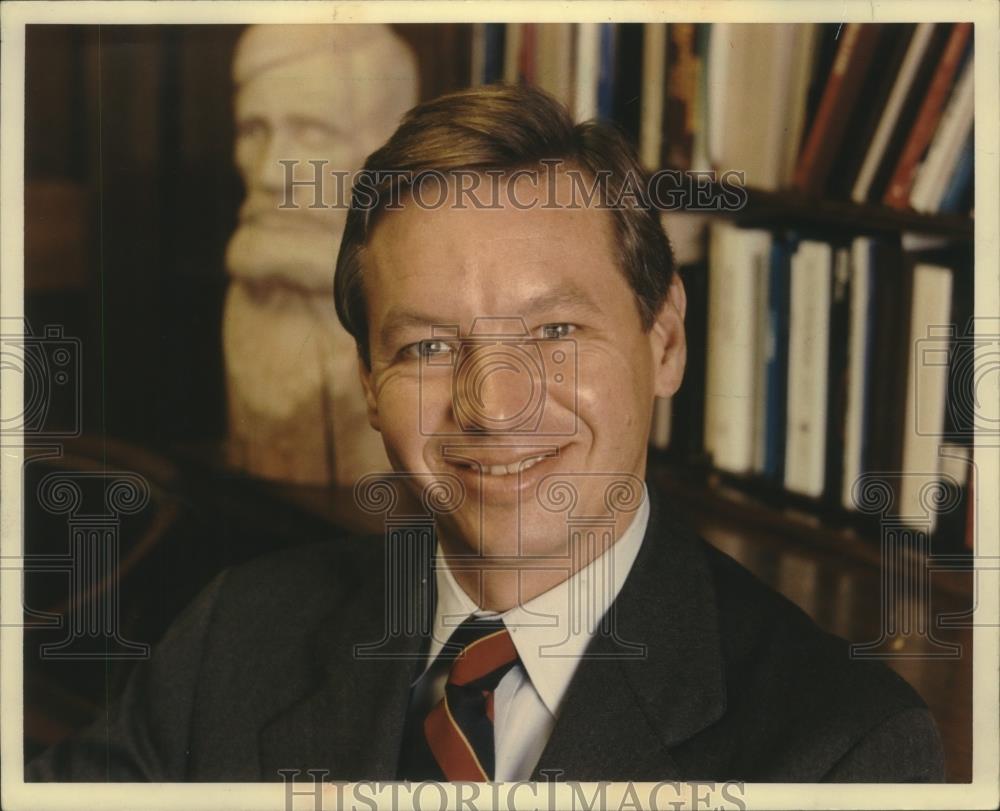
{"type": "Point", "coordinates": [367, 386]}
{"type": "Point", "coordinates": [669, 342]}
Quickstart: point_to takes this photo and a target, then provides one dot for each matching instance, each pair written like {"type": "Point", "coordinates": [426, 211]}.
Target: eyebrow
{"type": "Point", "coordinates": [399, 319]}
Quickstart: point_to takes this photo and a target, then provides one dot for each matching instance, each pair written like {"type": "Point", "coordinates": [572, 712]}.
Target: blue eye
{"type": "Point", "coordinates": [428, 349]}
{"type": "Point", "coordinates": [556, 331]}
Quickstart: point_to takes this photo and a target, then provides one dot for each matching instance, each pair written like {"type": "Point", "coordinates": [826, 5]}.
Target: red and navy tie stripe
{"type": "Point", "coordinates": [457, 734]}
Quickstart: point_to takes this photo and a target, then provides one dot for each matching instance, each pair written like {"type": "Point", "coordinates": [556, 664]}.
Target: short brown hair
{"type": "Point", "coordinates": [504, 127]}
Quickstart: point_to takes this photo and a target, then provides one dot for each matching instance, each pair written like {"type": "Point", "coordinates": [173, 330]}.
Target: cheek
{"type": "Point", "coordinates": [396, 403]}
{"type": "Point", "coordinates": [614, 390]}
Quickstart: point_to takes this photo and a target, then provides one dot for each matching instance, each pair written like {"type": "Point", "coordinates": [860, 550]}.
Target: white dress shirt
{"type": "Point", "coordinates": [550, 636]}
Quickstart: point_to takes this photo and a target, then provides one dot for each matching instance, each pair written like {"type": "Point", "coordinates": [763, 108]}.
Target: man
{"type": "Point", "coordinates": [516, 312]}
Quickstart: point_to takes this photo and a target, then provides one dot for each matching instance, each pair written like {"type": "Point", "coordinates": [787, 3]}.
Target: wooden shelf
{"type": "Point", "coordinates": [807, 525]}
{"type": "Point", "coordinates": [795, 210]}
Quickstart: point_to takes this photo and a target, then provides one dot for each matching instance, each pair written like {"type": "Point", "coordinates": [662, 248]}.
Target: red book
{"type": "Point", "coordinates": [854, 55]}
{"type": "Point", "coordinates": [898, 193]}
{"type": "Point", "coordinates": [526, 58]}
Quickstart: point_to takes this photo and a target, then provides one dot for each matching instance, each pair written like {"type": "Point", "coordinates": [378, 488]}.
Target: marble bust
{"type": "Point", "coordinates": [329, 93]}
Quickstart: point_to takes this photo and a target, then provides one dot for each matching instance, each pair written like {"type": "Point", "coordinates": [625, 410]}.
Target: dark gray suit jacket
{"type": "Point", "coordinates": [260, 674]}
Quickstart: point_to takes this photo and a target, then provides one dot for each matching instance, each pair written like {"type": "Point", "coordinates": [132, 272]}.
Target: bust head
{"type": "Point", "coordinates": [327, 93]}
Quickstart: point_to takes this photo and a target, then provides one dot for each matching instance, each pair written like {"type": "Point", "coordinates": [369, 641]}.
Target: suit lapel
{"type": "Point", "coordinates": [624, 713]}
{"type": "Point", "coordinates": [351, 724]}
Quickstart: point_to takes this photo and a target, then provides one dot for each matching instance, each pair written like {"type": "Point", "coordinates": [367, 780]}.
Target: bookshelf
{"type": "Point", "coordinates": [840, 133]}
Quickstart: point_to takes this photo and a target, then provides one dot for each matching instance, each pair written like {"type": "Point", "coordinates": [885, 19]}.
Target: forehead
{"type": "Point", "coordinates": [532, 237]}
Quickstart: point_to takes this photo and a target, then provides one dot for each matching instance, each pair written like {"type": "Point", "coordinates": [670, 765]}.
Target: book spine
{"type": "Point", "coordinates": [926, 391]}
{"type": "Point", "coordinates": [732, 345]}
{"type": "Point", "coordinates": [837, 374]}
{"type": "Point", "coordinates": [808, 335]}
{"type": "Point", "coordinates": [512, 53]}
{"type": "Point", "coordinates": [825, 135]}
{"type": "Point", "coordinates": [961, 179]}
{"type": "Point", "coordinates": [893, 108]}
{"type": "Point", "coordinates": [654, 77]}
{"type": "Point", "coordinates": [858, 368]}
{"type": "Point", "coordinates": [946, 146]}
{"type": "Point", "coordinates": [493, 52]}
{"type": "Point", "coordinates": [898, 193]}
{"type": "Point", "coordinates": [606, 77]}
{"type": "Point", "coordinates": [588, 68]}
{"type": "Point", "coordinates": [777, 365]}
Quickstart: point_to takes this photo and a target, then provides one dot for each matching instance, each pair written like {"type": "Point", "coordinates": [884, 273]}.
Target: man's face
{"type": "Point", "coordinates": [508, 426]}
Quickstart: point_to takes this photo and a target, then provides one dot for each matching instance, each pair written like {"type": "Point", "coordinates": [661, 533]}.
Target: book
{"type": "Point", "coordinates": [926, 392]}
{"type": "Point", "coordinates": [800, 66]}
{"type": "Point", "coordinates": [860, 331]}
{"type": "Point", "coordinates": [945, 149]}
{"type": "Point", "coordinates": [898, 193]}
{"type": "Point", "coordinates": [763, 354]}
{"type": "Point", "coordinates": [527, 71]}
{"type": "Point", "coordinates": [554, 60]}
{"type": "Point", "coordinates": [681, 104]}
{"type": "Point", "coordinates": [626, 98]}
{"type": "Point", "coordinates": [837, 374]}
{"type": "Point", "coordinates": [890, 51]}
{"type": "Point", "coordinates": [957, 193]}
{"type": "Point", "coordinates": [688, 403]}
{"type": "Point", "coordinates": [753, 73]}
{"type": "Point", "coordinates": [916, 48]}
{"type": "Point", "coordinates": [654, 82]}
{"type": "Point", "coordinates": [939, 34]}
{"type": "Point", "coordinates": [512, 53]}
{"type": "Point", "coordinates": [606, 75]}
{"type": "Point", "coordinates": [854, 55]}
{"type": "Point", "coordinates": [808, 358]}
{"type": "Point", "coordinates": [827, 42]}
{"type": "Point", "coordinates": [891, 291]}
{"type": "Point", "coordinates": [737, 257]}
{"type": "Point", "coordinates": [776, 371]}
{"type": "Point", "coordinates": [588, 68]}
{"type": "Point", "coordinates": [699, 117]}
{"type": "Point", "coordinates": [493, 50]}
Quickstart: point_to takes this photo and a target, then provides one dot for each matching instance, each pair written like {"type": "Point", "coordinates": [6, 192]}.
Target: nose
{"type": "Point", "coordinates": [496, 388]}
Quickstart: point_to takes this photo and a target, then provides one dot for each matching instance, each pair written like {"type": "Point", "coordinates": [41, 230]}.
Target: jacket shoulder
{"type": "Point", "coordinates": [810, 702]}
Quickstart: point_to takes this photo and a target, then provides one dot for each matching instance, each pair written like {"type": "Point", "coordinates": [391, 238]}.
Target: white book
{"type": "Point", "coordinates": [588, 70]}
{"type": "Point", "coordinates": [554, 60]}
{"type": "Point", "coordinates": [654, 73]}
{"type": "Point", "coordinates": [716, 80]}
{"type": "Point", "coordinates": [926, 389]}
{"type": "Point", "coordinates": [859, 336]}
{"type": "Point", "coordinates": [749, 72]}
{"type": "Point", "coordinates": [477, 60]}
{"type": "Point", "coordinates": [762, 356]}
{"type": "Point", "coordinates": [731, 381]}
{"type": "Point", "coordinates": [808, 374]}
{"type": "Point", "coordinates": [946, 147]}
{"type": "Point", "coordinates": [893, 107]}
{"type": "Point", "coordinates": [801, 68]}
{"type": "Point", "coordinates": [512, 53]}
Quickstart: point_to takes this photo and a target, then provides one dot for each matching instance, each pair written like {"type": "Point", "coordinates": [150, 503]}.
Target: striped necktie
{"type": "Point", "coordinates": [458, 731]}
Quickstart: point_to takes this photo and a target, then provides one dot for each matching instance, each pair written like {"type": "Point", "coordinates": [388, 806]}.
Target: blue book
{"type": "Point", "coordinates": [958, 187]}
{"type": "Point", "coordinates": [606, 77]}
{"type": "Point", "coordinates": [776, 368]}
{"type": "Point", "coordinates": [493, 68]}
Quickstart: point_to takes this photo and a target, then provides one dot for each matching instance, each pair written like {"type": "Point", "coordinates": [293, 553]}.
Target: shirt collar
{"type": "Point", "coordinates": [550, 631]}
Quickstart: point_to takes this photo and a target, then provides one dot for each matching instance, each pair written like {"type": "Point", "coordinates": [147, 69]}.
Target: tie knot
{"type": "Point", "coordinates": [483, 653]}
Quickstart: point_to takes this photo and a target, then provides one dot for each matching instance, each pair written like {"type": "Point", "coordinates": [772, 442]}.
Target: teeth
{"type": "Point", "coordinates": [507, 470]}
